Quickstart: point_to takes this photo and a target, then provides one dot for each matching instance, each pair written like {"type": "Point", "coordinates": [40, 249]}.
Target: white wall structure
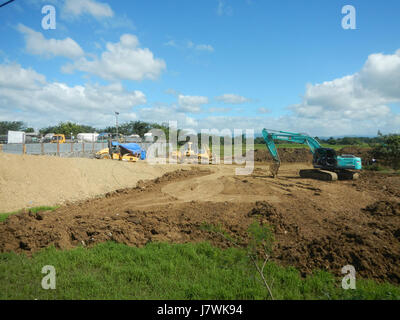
{"type": "Point", "coordinates": [87, 137]}
{"type": "Point", "coordinates": [16, 137]}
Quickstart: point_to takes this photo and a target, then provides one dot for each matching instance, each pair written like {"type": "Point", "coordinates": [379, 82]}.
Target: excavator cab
{"type": "Point", "coordinates": [325, 158]}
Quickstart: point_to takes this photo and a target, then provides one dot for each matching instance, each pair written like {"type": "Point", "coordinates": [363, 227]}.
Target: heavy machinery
{"type": "Point", "coordinates": [188, 153]}
{"type": "Point", "coordinates": [58, 138]}
{"type": "Point", "coordinates": [327, 164]}
{"type": "Point", "coordinates": [130, 152]}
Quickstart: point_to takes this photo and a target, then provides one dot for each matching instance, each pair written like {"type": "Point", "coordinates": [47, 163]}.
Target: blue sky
{"type": "Point", "coordinates": [245, 64]}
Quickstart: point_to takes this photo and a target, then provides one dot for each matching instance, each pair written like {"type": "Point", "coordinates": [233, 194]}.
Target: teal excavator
{"type": "Point", "coordinates": [328, 166]}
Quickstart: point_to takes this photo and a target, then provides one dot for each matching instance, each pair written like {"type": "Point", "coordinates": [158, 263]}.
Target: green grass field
{"type": "Point", "coordinates": [167, 271]}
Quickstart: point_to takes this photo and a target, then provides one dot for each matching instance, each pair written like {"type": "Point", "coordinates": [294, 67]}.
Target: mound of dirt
{"type": "Point", "coordinates": [371, 246]}
{"type": "Point", "coordinates": [30, 181]}
{"type": "Point", "coordinates": [384, 208]}
{"type": "Point", "coordinates": [288, 155]}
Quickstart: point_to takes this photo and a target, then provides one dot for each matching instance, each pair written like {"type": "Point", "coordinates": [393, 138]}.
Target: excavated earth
{"type": "Point", "coordinates": [317, 224]}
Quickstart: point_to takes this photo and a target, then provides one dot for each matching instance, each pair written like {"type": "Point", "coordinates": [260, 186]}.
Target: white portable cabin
{"type": "Point", "coordinates": [87, 137]}
{"type": "Point", "coordinates": [16, 137]}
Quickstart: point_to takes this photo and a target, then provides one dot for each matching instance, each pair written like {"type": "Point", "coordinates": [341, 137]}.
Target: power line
{"type": "Point", "coordinates": [5, 3]}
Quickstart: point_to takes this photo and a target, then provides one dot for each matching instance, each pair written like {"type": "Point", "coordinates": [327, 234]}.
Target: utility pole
{"type": "Point", "coordinates": [116, 120]}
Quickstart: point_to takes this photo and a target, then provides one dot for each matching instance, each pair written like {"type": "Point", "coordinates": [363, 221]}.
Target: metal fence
{"type": "Point", "coordinates": [74, 149]}
{"type": "Point", "coordinates": [54, 149]}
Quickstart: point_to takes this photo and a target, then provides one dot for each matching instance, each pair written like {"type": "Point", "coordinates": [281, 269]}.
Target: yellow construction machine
{"type": "Point", "coordinates": [116, 151]}
{"type": "Point", "coordinates": [188, 154]}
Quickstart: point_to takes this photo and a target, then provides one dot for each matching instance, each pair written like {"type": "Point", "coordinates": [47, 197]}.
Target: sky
{"type": "Point", "coordinates": [208, 64]}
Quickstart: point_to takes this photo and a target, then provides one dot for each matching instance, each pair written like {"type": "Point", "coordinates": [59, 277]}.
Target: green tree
{"type": "Point", "coordinates": [67, 128]}
{"type": "Point", "coordinates": [6, 126]}
{"type": "Point", "coordinates": [389, 150]}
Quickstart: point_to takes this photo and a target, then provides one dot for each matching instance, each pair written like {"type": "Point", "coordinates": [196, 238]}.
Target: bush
{"type": "Point", "coordinates": [389, 151]}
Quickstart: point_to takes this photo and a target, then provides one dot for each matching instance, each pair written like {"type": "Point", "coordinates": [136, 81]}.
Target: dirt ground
{"type": "Point", "coordinates": [317, 224]}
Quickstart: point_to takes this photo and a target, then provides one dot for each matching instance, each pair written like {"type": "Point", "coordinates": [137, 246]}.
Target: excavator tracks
{"type": "Point", "coordinates": [325, 175]}
{"type": "Point", "coordinates": [318, 175]}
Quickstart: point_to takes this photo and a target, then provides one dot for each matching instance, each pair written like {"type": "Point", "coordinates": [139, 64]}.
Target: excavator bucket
{"type": "Point", "coordinates": [274, 168]}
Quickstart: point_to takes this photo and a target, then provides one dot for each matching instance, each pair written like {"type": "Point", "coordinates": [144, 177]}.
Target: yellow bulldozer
{"type": "Point", "coordinates": [188, 154]}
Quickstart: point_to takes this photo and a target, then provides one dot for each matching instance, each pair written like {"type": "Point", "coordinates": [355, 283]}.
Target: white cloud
{"type": "Point", "coordinates": [75, 8]}
{"type": "Point", "coordinates": [354, 104]}
{"type": "Point", "coordinates": [13, 77]}
{"type": "Point", "coordinates": [204, 47]}
{"type": "Point", "coordinates": [171, 43]}
{"type": "Point", "coordinates": [191, 104]}
{"type": "Point", "coordinates": [123, 60]}
{"type": "Point", "coordinates": [37, 44]}
{"type": "Point", "coordinates": [219, 110]}
{"type": "Point", "coordinates": [263, 110]}
{"type": "Point", "coordinates": [40, 102]}
{"type": "Point", "coordinates": [200, 47]}
{"type": "Point", "coordinates": [162, 113]}
{"type": "Point", "coordinates": [224, 9]}
{"type": "Point", "coordinates": [232, 99]}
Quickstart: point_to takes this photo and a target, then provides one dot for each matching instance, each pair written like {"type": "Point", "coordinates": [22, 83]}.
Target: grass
{"type": "Point", "coordinates": [167, 271]}
{"type": "Point", "coordinates": [4, 216]}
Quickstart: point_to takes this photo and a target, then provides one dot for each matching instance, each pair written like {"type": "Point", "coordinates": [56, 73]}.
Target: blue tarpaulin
{"type": "Point", "coordinates": [134, 148]}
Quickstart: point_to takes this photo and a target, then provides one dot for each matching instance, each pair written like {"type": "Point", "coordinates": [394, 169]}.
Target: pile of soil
{"type": "Point", "coordinates": [287, 155]}
{"type": "Point", "coordinates": [384, 208]}
{"type": "Point", "coordinates": [31, 181]}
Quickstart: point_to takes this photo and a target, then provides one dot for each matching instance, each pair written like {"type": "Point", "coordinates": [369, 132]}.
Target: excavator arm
{"type": "Point", "coordinates": [271, 135]}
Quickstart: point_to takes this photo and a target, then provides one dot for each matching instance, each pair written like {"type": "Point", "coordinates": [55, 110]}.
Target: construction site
{"type": "Point", "coordinates": [318, 225]}
{"type": "Point", "coordinates": [193, 151]}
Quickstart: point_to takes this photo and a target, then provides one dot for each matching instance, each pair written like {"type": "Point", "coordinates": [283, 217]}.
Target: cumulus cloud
{"type": "Point", "coordinates": [26, 95]}
{"type": "Point", "coordinates": [123, 60]}
{"type": "Point", "coordinates": [75, 8]}
{"type": "Point", "coordinates": [232, 99]}
{"type": "Point", "coordinates": [191, 104]}
{"type": "Point", "coordinates": [13, 77]}
{"type": "Point", "coordinates": [362, 97]}
{"type": "Point", "coordinates": [37, 44]}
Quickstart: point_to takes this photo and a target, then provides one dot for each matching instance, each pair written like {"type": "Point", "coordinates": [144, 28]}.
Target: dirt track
{"type": "Point", "coordinates": [324, 225]}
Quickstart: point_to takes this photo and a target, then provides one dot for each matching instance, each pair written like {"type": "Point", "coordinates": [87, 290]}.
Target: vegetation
{"type": "Point", "coordinates": [389, 151]}
{"type": "Point", "coordinates": [6, 126]}
{"type": "Point", "coordinates": [66, 128]}
{"type": "Point", "coordinates": [4, 216]}
{"type": "Point", "coordinates": [167, 271]}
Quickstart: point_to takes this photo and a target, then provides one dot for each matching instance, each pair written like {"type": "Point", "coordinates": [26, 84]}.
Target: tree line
{"type": "Point", "coordinates": [68, 128]}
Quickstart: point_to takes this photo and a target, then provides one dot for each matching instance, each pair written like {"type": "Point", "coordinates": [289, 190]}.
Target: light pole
{"type": "Point", "coordinates": [116, 121]}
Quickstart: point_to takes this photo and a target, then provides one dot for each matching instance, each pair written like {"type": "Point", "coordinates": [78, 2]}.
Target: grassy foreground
{"type": "Point", "coordinates": [166, 271]}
